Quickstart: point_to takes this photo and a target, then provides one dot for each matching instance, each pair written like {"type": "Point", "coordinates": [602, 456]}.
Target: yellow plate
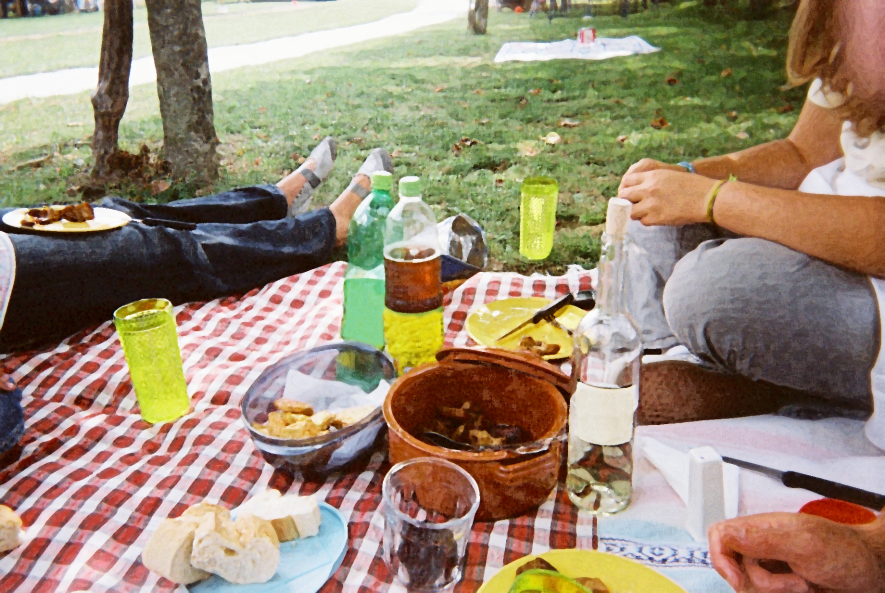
{"type": "Point", "coordinates": [490, 322]}
{"type": "Point", "coordinates": [619, 574]}
{"type": "Point", "coordinates": [105, 219]}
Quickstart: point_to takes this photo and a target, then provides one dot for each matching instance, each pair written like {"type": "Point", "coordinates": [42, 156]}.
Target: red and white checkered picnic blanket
{"type": "Point", "coordinates": [94, 480]}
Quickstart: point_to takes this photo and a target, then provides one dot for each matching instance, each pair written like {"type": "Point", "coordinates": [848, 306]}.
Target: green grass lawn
{"type": "Point", "coordinates": [419, 94]}
{"type": "Point", "coordinates": [74, 40]}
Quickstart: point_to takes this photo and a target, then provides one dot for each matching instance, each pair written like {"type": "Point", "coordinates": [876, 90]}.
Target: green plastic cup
{"type": "Point", "coordinates": [150, 343]}
{"type": "Point", "coordinates": [537, 216]}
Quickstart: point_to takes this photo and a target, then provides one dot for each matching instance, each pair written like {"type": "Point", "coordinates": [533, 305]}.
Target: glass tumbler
{"type": "Point", "coordinates": [537, 216]}
{"type": "Point", "coordinates": [429, 506]}
{"type": "Point", "coordinates": [150, 343]}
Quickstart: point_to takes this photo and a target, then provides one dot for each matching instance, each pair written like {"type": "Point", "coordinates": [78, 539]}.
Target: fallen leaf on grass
{"type": "Point", "coordinates": [660, 123]}
{"type": "Point", "coordinates": [439, 89]}
{"type": "Point", "coordinates": [551, 138]}
{"type": "Point", "coordinates": [727, 72]}
{"type": "Point", "coordinates": [617, 101]}
{"type": "Point", "coordinates": [527, 148]}
{"type": "Point", "coordinates": [75, 124]}
{"type": "Point", "coordinates": [297, 158]}
{"type": "Point", "coordinates": [33, 163]}
{"type": "Point", "coordinates": [478, 92]}
{"type": "Point", "coordinates": [484, 121]}
{"type": "Point", "coordinates": [499, 182]}
{"type": "Point", "coordinates": [456, 148]}
{"type": "Point", "coordinates": [535, 92]}
{"type": "Point", "coordinates": [261, 136]}
{"type": "Point", "coordinates": [396, 153]}
{"type": "Point", "coordinates": [671, 80]}
{"type": "Point", "coordinates": [262, 110]}
{"type": "Point", "coordinates": [742, 135]}
{"type": "Point", "coordinates": [317, 136]}
{"type": "Point", "coordinates": [523, 101]}
{"type": "Point", "coordinates": [463, 103]}
{"type": "Point", "coordinates": [565, 122]}
{"type": "Point", "coordinates": [785, 108]}
{"type": "Point", "coordinates": [732, 115]}
{"type": "Point", "coordinates": [622, 138]}
{"type": "Point", "coordinates": [467, 141]}
{"type": "Point", "coordinates": [257, 161]}
{"type": "Point", "coordinates": [159, 186]}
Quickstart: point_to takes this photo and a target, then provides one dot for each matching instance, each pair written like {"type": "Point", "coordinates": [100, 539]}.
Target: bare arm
{"type": "Point", "coordinates": [814, 142]}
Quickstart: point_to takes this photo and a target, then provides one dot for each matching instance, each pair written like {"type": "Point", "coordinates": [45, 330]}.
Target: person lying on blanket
{"type": "Point", "coordinates": [768, 264]}
{"type": "Point", "coordinates": [52, 286]}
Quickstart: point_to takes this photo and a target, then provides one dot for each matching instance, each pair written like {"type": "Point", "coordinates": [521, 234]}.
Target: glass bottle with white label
{"type": "Point", "coordinates": [602, 412]}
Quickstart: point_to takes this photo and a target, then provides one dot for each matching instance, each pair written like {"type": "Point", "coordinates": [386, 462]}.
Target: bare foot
{"type": "Point", "coordinates": [292, 183]}
{"type": "Point", "coordinates": [344, 207]}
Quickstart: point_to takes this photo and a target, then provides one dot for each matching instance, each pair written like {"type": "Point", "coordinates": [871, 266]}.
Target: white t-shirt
{"type": "Point", "coordinates": [7, 273]}
{"type": "Point", "coordinates": [860, 173]}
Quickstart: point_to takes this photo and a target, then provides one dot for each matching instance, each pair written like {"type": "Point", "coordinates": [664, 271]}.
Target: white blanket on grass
{"type": "Point", "coordinates": [603, 48]}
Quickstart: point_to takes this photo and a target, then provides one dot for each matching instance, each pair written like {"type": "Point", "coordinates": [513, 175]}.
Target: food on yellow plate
{"type": "Point", "coordinates": [539, 576]}
{"type": "Point", "coordinates": [11, 534]}
{"type": "Point", "coordinates": [82, 212]}
{"type": "Point", "coordinates": [532, 345]}
{"type": "Point", "coordinates": [206, 540]}
{"type": "Point", "coordinates": [292, 517]}
{"type": "Point", "coordinates": [297, 420]}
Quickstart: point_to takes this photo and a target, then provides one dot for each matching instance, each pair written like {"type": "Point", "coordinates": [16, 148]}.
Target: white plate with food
{"type": "Point", "coordinates": [78, 218]}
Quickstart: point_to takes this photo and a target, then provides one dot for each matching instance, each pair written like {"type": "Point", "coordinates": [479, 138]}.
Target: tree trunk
{"type": "Point", "coordinates": [112, 94]}
{"type": "Point", "coordinates": [478, 16]}
{"type": "Point", "coordinates": [178, 42]}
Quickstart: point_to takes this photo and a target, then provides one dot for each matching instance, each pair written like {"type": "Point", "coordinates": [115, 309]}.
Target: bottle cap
{"type": "Point", "coordinates": [410, 186]}
{"type": "Point", "coordinates": [382, 180]}
{"type": "Point", "coordinates": [617, 217]}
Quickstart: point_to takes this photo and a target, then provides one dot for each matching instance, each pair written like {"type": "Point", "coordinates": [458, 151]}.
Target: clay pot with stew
{"type": "Point", "coordinates": [512, 388]}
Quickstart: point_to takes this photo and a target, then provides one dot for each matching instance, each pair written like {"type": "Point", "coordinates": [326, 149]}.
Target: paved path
{"type": "Point", "coordinates": [76, 80]}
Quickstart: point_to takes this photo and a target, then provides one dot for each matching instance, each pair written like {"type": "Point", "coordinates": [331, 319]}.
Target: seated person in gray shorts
{"type": "Point", "coordinates": [766, 267]}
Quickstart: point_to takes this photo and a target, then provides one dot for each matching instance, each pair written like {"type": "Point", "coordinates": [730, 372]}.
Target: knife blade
{"type": "Point", "coordinates": [540, 314]}
{"type": "Point", "coordinates": [820, 486]}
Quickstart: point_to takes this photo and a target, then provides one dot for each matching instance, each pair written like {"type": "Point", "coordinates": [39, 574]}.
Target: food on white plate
{"type": "Point", "coordinates": [11, 534]}
{"type": "Point", "coordinates": [49, 214]}
{"type": "Point", "coordinates": [292, 517]}
{"type": "Point", "coordinates": [206, 540]}
{"type": "Point", "coordinates": [297, 420]}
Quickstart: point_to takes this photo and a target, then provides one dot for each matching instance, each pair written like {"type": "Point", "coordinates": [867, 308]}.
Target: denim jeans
{"type": "Point", "coordinates": [243, 240]}
{"type": "Point", "coordinates": [756, 308]}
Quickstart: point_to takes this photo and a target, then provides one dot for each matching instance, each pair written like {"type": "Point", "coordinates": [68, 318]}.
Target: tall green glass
{"type": "Point", "coordinates": [150, 343]}
{"type": "Point", "coordinates": [537, 216]}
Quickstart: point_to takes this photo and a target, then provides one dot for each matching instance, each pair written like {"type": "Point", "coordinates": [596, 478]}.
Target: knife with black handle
{"type": "Point", "coordinates": [817, 485]}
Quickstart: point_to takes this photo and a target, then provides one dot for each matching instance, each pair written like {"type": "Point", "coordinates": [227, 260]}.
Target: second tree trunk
{"type": "Point", "coordinates": [178, 42]}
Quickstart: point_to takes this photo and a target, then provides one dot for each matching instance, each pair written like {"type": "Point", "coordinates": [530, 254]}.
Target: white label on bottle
{"type": "Point", "coordinates": [603, 416]}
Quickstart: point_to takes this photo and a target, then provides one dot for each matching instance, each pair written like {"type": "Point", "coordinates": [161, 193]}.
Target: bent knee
{"type": "Point", "coordinates": [719, 287]}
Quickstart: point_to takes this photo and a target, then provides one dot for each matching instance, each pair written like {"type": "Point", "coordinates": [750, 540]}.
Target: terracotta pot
{"type": "Point", "coordinates": [510, 388]}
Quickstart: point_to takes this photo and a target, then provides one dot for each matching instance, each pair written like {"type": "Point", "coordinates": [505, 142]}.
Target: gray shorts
{"type": "Point", "coordinates": [756, 308]}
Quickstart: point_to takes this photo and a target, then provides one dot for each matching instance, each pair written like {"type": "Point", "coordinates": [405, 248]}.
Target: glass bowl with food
{"type": "Point", "coordinates": [320, 409]}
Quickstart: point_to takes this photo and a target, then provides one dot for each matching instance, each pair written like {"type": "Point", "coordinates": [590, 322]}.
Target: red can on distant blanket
{"type": "Point", "coordinates": [586, 35]}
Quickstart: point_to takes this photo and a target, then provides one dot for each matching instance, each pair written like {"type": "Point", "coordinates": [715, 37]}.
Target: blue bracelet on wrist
{"type": "Point", "coordinates": [686, 165]}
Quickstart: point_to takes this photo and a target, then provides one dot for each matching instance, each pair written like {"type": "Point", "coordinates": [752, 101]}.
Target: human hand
{"type": "Point", "coordinates": [646, 165]}
{"type": "Point", "coordinates": [666, 198]}
{"type": "Point", "coordinates": [824, 556]}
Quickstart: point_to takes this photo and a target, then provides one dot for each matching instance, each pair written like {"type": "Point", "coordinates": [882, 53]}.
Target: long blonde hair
{"type": "Point", "coordinates": [815, 52]}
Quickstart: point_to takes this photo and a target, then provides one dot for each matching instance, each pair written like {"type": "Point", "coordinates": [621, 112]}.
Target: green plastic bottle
{"type": "Point", "coordinates": [364, 279]}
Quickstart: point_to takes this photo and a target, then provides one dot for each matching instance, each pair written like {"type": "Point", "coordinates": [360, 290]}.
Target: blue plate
{"type": "Point", "coordinates": [305, 564]}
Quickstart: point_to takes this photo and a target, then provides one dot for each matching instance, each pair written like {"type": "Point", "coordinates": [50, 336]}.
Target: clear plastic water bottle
{"type": "Point", "coordinates": [602, 411]}
{"type": "Point", "coordinates": [364, 280]}
{"type": "Point", "coordinates": [413, 313]}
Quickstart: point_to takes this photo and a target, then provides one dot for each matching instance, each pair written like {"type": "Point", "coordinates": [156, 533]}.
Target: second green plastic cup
{"type": "Point", "coordinates": [537, 216]}
{"type": "Point", "coordinates": [150, 343]}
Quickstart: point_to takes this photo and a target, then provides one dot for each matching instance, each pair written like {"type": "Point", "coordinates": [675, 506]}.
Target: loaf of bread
{"type": "Point", "coordinates": [243, 551]}
{"type": "Point", "coordinates": [11, 534]}
{"type": "Point", "coordinates": [291, 516]}
{"type": "Point", "coordinates": [168, 552]}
